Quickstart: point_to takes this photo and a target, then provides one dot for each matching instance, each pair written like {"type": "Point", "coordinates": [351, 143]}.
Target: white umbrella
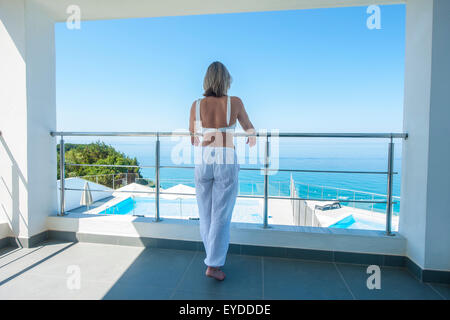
{"type": "Point", "coordinates": [134, 189]}
{"type": "Point", "coordinates": [187, 192]}
{"type": "Point", "coordinates": [86, 196]}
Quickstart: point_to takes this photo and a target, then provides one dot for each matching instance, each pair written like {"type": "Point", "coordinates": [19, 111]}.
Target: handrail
{"type": "Point", "coordinates": [236, 134]}
{"type": "Point", "coordinates": [266, 169]}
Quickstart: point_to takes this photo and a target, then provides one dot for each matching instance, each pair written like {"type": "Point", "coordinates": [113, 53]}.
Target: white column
{"type": "Point", "coordinates": [27, 115]}
{"type": "Point", "coordinates": [425, 207]}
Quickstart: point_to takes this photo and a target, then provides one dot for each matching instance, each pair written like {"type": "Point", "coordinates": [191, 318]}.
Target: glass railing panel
{"type": "Point", "coordinates": [124, 182]}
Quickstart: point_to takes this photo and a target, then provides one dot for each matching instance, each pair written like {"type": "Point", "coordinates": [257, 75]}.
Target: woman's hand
{"type": "Point", "coordinates": [195, 141]}
{"type": "Point", "coordinates": [251, 139]}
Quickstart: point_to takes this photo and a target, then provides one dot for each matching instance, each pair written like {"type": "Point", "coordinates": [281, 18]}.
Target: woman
{"type": "Point", "coordinates": [216, 174]}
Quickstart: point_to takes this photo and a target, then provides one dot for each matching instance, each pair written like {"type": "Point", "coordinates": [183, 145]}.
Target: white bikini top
{"type": "Point", "coordinates": [199, 121]}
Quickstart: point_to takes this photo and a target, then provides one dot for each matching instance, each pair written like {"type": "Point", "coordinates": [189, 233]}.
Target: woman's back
{"type": "Point", "coordinates": [214, 112]}
{"type": "Point", "coordinates": [217, 121]}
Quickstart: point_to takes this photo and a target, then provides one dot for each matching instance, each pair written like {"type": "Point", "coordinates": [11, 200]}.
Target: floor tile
{"type": "Point", "coordinates": [24, 260]}
{"type": "Point", "coordinates": [157, 267]}
{"type": "Point", "coordinates": [396, 283]}
{"type": "Point", "coordinates": [33, 287]}
{"type": "Point", "coordinates": [443, 289]}
{"type": "Point", "coordinates": [115, 260]}
{"type": "Point", "coordinates": [244, 277]}
{"type": "Point", "coordinates": [295, 279]}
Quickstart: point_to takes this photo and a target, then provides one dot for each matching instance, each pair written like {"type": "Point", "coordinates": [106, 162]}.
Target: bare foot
{"type": "Point", "coordinates": [215, 273]}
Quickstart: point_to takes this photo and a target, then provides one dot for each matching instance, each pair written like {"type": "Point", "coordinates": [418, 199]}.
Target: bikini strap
{"type": "Point", "coordinates": [198, 121]}
{"type": "Point", "coordinates": [228, 110]}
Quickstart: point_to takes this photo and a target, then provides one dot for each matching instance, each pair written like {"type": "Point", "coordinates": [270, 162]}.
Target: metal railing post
{"type": "Point", "coordinates": [266, 185]}
{"type": "Point", "coordinates": [157, 165]}
{"type": "Point", "coordinates": [389, 188]}
{"type": "Point", "coordinates": [62, 173]}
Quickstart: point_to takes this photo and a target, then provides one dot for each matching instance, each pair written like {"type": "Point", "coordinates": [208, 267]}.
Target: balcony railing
{"type": "Point", "coordinates": [266, 169]}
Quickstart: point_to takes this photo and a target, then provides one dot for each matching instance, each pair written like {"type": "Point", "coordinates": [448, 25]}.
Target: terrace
{"type": "Point", "coordinates": [160, 257]}
{"type": "Point", "coordinates": [266, 260]}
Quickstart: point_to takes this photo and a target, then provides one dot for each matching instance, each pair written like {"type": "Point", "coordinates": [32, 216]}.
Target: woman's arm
{"type": "Point", "coordinates": [245, 122]}
{"type": "Point", "coordinates": [194, 139]}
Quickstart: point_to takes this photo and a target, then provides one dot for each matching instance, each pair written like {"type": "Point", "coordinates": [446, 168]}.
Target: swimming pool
{"type": "Point", "coordinates": [352, 222]}
{"type": "Point", "coordinates": [246, 210]}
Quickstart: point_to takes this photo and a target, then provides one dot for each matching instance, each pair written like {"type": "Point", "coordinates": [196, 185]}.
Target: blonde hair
{"type": "Point", "coordinates": [217, 80]}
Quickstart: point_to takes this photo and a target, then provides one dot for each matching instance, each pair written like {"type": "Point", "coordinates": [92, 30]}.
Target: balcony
{"type": "Point", "coordinates": [158, 255]}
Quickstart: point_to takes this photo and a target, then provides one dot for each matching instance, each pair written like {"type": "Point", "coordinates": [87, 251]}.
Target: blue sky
{"type": "Point", "coordinates": [309, 70]}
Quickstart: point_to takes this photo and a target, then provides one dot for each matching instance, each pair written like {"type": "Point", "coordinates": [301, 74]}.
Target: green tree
{"type": "Point", "coordinates": [102, 154]}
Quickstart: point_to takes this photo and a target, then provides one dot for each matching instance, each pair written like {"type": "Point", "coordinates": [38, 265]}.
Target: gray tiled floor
{"type": "Point", "coordinates": [121, 272]}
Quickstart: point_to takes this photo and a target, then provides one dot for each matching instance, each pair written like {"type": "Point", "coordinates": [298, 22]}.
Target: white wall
{"type": "Point", "coordinates": [28, 114]}
{"type": "Point", "coordinates": [425, 212]}
{"type": "Point", "coordinates": [41, 115]}
{"type": "Point", "coordinates": [5, 230]}
{"type": "Point", "coordinates": [13, 120]}
{"type": "Point", "coordinates": [437, 239]}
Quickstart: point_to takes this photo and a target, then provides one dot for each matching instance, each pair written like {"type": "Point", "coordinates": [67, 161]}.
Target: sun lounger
{"type": "Point", "coordinates": [328, 206]}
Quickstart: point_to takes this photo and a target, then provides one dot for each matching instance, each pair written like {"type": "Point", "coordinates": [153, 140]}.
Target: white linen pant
{"type": "Point", "coordinates": [216, 187]}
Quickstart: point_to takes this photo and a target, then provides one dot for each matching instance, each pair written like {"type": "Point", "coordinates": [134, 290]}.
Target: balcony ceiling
{"type": "Point", "coordinates": [119, 9]}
